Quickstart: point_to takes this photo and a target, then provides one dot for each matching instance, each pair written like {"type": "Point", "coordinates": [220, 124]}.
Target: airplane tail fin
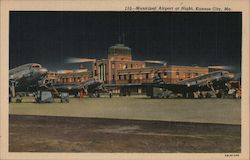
{"type": "Point", "coordinates": [158, 80]}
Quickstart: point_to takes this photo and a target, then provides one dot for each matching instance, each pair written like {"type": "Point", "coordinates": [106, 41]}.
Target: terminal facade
{"type": "Point", "coordinates": [119, 70]}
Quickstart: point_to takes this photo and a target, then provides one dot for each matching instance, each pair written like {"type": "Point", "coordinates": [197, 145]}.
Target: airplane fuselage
{"type": "Point", "coordinates": [209, 82]}
{"type": "Point", "coordinates": [27, 76]}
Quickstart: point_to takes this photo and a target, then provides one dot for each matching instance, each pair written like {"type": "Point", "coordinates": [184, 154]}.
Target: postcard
{"type": "Point", "coordinates": [124, 80]}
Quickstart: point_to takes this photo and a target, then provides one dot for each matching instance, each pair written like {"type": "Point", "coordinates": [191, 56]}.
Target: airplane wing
{"type": "Point", "coordinates": [208, 85]}
{"type": "Point", "coordinates": [190, 86]}
{"type": "Point", "coordinates": [91, 86]}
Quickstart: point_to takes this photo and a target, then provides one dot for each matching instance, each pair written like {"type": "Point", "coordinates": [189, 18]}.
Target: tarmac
{"type": "Point", "coordinates": [102, 135]}
{"type": "Point", "coordinates": [216, 111]}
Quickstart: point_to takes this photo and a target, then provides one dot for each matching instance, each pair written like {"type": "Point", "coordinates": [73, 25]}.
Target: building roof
{"type": "Point", "coordinates": [119, 50]}
{"type": "Point", "coordinates": [120, 46]}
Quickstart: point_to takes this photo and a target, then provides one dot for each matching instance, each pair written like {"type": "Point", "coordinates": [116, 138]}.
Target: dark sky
{"type": "Point", "coordinates": [49, 38]}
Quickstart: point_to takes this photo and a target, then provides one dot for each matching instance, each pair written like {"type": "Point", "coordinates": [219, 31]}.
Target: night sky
{"type": "Point", "coordinates": [49, 38]}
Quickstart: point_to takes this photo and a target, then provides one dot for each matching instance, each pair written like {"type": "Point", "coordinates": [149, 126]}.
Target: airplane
{"type": "Point", "coordinates": [32, 78]}
{"type": "Point", "coordinates": [214, 81]}
{"type": "Point", "coordinates": [91, 87]}
{"type": "Point", "coordinates": [25, 78]}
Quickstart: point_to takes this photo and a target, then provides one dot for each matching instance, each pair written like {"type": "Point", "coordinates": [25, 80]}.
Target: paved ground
{"type": "Point", "coordinates": [223, 111]}
{"type": "Point", "coordinates": [71, 134]}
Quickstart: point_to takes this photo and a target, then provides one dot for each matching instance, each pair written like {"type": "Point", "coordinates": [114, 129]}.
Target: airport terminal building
{"type": "Point", "coordinates": [121, 73]}
{"type": "Point", "coordinates": [120, 68]}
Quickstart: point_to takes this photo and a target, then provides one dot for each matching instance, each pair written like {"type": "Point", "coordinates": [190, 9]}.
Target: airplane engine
{"type": "Point", "coordinates": [45, 83]}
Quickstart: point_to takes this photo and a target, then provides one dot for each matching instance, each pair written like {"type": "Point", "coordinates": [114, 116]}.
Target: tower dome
{"type": "Point", "coordinates": [119, 52]}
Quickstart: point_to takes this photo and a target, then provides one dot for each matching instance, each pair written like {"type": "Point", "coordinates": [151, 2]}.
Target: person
{"type": "Point", "coordinates": [110, 94]}
{"type": "Point", "coordinates": [81, 93]}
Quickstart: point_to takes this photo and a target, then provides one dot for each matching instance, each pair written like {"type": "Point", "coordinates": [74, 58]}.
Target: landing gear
{"type": "Point", "coordinates": [10, 98]}
{"type": "Point", "coordinates": [188, 95]}
{"type": "Point", "coordinates": [12, 92]}
{"type": "Point", "coordinates": [18, 98]}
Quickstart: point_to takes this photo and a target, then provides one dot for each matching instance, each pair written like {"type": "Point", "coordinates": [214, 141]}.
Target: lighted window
{"type": "Point", "coordinates": [120, 66]}
{"type": "Point", "coordinates": [140, 76]}
{"type": "Point", "coordinates": [113, 65]}
{"type": "Point", "coordinates": [124, 66]}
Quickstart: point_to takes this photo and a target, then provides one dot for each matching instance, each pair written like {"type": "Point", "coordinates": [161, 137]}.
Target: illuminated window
{"type": "Point", "coordinates": [120, 66]}
{"type": "Point", "coordinates": [113, 65]}
{"type": "Point", "coordinates": [140, 76]}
